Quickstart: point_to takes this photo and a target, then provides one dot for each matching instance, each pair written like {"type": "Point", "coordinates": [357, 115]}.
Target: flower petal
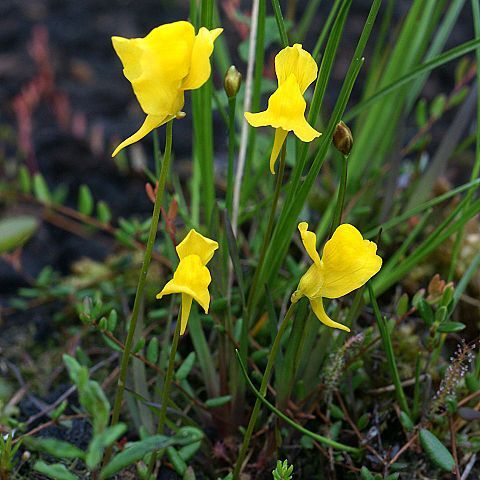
{"type": "Point", "coordinates": [200, 67]}
{"type": "Point", "coordinates": [295, 60]}
{"type": "Point", "coordinates": [309, 240]}
{"type": "Point", "coordinates": [319, 311]}
{"type": "Point", "coordinates": [286, 110]}
{"type": "Point", "coordinates": [311, 283]}
{"type": "Point", "coordinates": [186, 307]}
{"type": "Point", "coordinates": [349, 262]}
{"type": "Point", "coordinates": [196, 244]}
{"type": "Point", "coordinates": [304, 131]}
{"type": "Point", "coordinates": [157, 64]}
{"type": "Point", "coordinates": [151, 122]}
{"type": "Point", "coordinates": [280, 136]}
{"type": "Point", "coordinates": [192, 278]}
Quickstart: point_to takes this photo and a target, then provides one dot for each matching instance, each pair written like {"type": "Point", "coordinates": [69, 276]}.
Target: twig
{"type": "Point", "coordinates": [453, 439]}
{"type": "Point", "coordinates": [356, 430]}
{"type": "Point", "coordinates": [391, 387]}
{"type": "Point", "coordinates": [403, 449]}
{"type": "Point", "coordinates": [43, 426]}
{"type": "Point", "coordinates": [469, 467]}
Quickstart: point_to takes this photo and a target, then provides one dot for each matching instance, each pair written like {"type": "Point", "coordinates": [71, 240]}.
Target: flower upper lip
{"type": "Point", "coordinates": [161, 66]}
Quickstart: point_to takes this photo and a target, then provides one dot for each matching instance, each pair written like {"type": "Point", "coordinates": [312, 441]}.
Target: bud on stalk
{"type": "Point", "coordinates": [343, 138]}
{"type": "Point", "coordinates": [232, 81]}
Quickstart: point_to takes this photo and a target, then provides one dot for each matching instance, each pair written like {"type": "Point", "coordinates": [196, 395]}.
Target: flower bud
{"type": "Point", "coordinates": [232, 81]}
{"type": "Point", "coordinates": [343, 138]}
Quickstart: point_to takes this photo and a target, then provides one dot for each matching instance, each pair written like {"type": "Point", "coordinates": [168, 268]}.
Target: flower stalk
{"type": "Point", "coordinates": [343, 142]}
{"type": "Point", "coordinates": [162, 416]}
{"type": "Point", "coordinates": [263, 251]}
{"type": "Point", "coordinates": [387, 345]}
{"type": "Point", "coordinates": [141, 282]}
{"type": "Point", "coordinates": [337, 214]}
{"type": "Point", "coordinates": [263, 390]}
{"type": "Point", "coordinates": [232, 83]}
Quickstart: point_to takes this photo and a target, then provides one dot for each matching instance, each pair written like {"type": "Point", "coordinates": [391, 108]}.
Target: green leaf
{"type": "Point", "coordinates": [421, 113]}
{"type": "Point", "coordinates": [447, 296]}
{"type": "Point", "coordinates": [451, 327]}
{"type": "Point", "coordinates": [406, 422]}
{"type": "Point", "coordinates": [425, 311]}
{"type": "Point", "coordinates": [185, 367]}
{"type": "Point", "coordinates": [436, 451]}
{"type": "Point", "coordinates": [54, 447]}
{"type": "Point", "coordinates": [218, 401]}
{"type": "Point", "coordinates": [441, 314]}
{"type": "Point", "coordinates": [153, 350]}
{"type": "Point", "coordinates": [101, 441]}
{"type": "Point", "coordinates": [102, 324]}
{"type": "Point", "coordinates": [472, 382]}
{"type": "Point", "coordinates": [363, 421]}
{"type": "Point", "coordinates": [57, 471]}
{"type": "Point", "coordinates": [461, 69]}
{"type": "Point", "coordinates": [177, 461]}
{"type": "Point", "coordinates": [139, 345]}
{"type": "Point", "coordinates": [365, 474]}
{"type": "Point", "coordinates": [112, 320]}
{"type": "Point", "coordinates": [85, 200]}
{"type": "Point", "coordinates": [14, 232]}
{"type": "Point", "coordinates": [188, 451]}
{"type": "Point", "coordinates": [135, 452]}
{"type": "Point", "coordinates": [103, 212]}
{"type": "Point", "coordinates": [189, 474]}
{"type": "Point", "coordinates": [40, 189]}
{"type": "Point", "coordinates": [435, 62]}
{"type": "Point", "coordinates": [458, 97]}
{"type": "Point", "coordinates": [73, 367]}
{"type": "Point", "coordinates": [438, 106]}
{"type": "Point", "coordinates": [91, 396]}
{"type": "Point", "coordinates": [402, 305]}
{"type": "Point", "coordinates": [24, 179]}
{"type": "Point", "coordinates": [336, 412]}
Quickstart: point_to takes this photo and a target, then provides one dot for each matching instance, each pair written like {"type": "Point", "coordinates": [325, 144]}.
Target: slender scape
{"type": "Point", "coordinates": [141, 282]}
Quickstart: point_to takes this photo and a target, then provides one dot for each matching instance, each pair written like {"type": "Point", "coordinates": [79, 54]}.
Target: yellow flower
{"type": "Point", "coordinates": [161, 66]}
{"type": "Point", "coordinates": [348, 262]}
{"type": "Point", "coordinates": [296, 70]}
{"type": "Point", "coordinates": [192, 278]}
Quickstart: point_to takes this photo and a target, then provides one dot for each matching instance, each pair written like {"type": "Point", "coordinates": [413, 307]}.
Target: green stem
{"type": "Point", "coordinates": [231, 153]}
{"type": "Point", "coordinates": [263, 391]}
{"type": "Point", "coordinates": [337, 216]}
{"type": "Point", "coordinates": [268, 233]}
{"type": "Point", "coordinates": [162, 416]}
{"type": "Point", "coordinates": [141, 283]}
{"type": "Point", "coordinates": [320, 438]}
{"type": "Point", "coordinates": [263, 251]}
{"type": "Point", "coordinates": [387, 345]}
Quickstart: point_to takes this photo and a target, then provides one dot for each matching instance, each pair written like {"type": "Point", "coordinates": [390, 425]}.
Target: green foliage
{"type": "Point", "coordinates": [283, 471]}
{"type": "Point", "coordinates": [436, 451]}
{"type": "Point", "coordinates": [55, 471]}
{"type": "Point", "coordinates": [85, 200]}
{"type": "Point", "coordinates": [138, 450]}
{"type": "Point", "coordinates": [16, 231]}
{"type": "Point", "coordinates": [8, 450]}
{"type": "Point", "coordinates": [91, 396]}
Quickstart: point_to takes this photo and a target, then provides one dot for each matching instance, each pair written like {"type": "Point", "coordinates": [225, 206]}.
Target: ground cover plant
{"type": "Point", "coordinates": [275, 276]}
